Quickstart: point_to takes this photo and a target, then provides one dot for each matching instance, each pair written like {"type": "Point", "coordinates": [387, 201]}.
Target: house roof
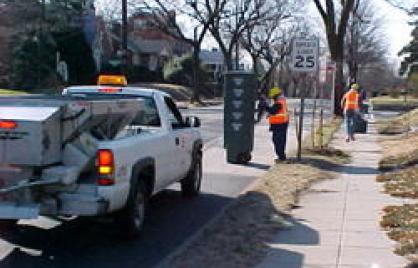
{"type": "Point", "coordinates": [132, 46]}
{"type": "Point", "coordinates": [153, 46]}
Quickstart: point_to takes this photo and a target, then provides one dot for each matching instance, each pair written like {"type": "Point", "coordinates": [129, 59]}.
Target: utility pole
{"type": "Point", "coordinates": [124, 36]}
{"type": "Point", "coordinates": [39, 39]}
{"type": "Point", "coordinates": [195, 66]}
{"type": "Point", "coordinates": [237, 42]}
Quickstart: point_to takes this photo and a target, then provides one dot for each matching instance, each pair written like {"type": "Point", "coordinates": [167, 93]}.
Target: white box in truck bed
{"type": "Point", "coordinates": [36, 140]}
{"type": "Point", "coordinates": [45, 124]}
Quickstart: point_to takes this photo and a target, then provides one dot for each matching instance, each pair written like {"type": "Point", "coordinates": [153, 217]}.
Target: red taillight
{"type": "Point", "coordinates": [109, 90]}
{"type": "Point", "coordinates": [105, 157]}
{"type": "Point", "coordinates": [7, 124]}
{"type": "Point", "coordinates": [105, 167]}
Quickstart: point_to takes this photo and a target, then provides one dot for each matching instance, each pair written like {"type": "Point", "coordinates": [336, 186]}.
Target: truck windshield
{"type": "Point", "coordinates": [148, 116]}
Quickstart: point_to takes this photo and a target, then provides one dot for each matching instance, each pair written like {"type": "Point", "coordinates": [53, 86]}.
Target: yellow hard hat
{"type": "Point", "coordinates": [355, 86]}
{"type": "Point", "coordinates": [274, 92]}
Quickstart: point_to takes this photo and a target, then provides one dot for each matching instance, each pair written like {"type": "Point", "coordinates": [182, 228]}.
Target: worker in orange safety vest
{"type": "Point", "coordinates": [350, 105]}
{"type": "Point", "coordinates": [279, 122]}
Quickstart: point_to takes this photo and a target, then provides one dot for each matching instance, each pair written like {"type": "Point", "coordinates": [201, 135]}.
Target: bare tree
{"type": "Point", "coordinates": [265, 38]}
{"type": "Point", "coordinates": [228, 19]}
{"type": "Point", "coordinates": [164, 18]}
{"type": "Point", "coordinates": [405, 5]}
{"type": "Point", "coordinates": [385, 73]}
{"type": "Point", "coordinates": [336, 20]}
{"type": "Point", "coordinates": [365, 39]}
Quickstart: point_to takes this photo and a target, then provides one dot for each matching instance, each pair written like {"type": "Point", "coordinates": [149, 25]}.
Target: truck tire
{"type": "Point", "coordinates": [131, 219]}
{"type": "Point", "coordinates": [190, 186]}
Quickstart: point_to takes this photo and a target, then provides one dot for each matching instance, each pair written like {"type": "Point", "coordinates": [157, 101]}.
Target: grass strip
{"type": "Point", "coordinates": [11, 92]}
{"type": "Point", "coordinates": [240, 236]}
{"type": "Point", "coordinates": [401, 183]}
{"type": "Point", "coordinates": [399, 124]}
{"type": "Point", "coordinates": [401, 222]}
{"type": "Point", "coordinates": [389, 103]}
{"type": "Point", "coordinates": [399, 152]}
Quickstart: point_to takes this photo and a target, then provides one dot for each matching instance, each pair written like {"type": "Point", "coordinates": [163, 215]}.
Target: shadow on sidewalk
{"type": "Point", "coordinates": [340, 168]}
{"type": "Point", "coordinates": [260, 230]}
{"type": "Point", "coordinates": [298, 235]}
{"type": "Point", "coordinates": [257, 166]}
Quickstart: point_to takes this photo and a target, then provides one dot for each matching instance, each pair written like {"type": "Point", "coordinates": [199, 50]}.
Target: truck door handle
{"type": "Point", "coordinates": [177, 141]}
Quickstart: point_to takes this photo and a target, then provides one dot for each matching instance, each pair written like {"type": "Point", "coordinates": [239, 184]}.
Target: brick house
{"type": "Point", "coordinates": [155, 46]}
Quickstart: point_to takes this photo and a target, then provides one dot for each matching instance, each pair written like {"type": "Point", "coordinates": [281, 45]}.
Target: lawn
{"type": "Point", "coordinates": [399, 124]}
{"type": "Point", "coordinates": [400, 151]}
{"type": "Point", "coordinates": [11, 92]}
{"type": "Point", "coordinates": [400, 157]}
{"type": "Point", "coordinates": [401, 222]}
{"type": "Point", "coordinates": [401, 183]}
{"type": "Point", "coordinates": [389, 103]}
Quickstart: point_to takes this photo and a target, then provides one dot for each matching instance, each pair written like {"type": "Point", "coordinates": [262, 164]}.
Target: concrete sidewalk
{"type": "Point", "coordinates": [337, 223]}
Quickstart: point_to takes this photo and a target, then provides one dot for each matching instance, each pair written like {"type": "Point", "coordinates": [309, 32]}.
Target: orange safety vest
{"type": "Point", "coordinates": [282, 116]}
{"type": "Point", "coordinates": [351, 100]}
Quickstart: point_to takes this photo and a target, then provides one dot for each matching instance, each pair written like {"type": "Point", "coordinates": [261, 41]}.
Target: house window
{"type": "Point", "coordinates": [140, 24]}
{"type": "Point", "coordinates": [145, 60]}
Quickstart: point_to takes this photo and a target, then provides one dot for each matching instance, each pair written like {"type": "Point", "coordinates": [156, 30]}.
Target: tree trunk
{"type": "Point", "coordinates": [228, 62]}
{"type": "Point", "coordinates": [196, 84]}
{"type": "Point", "coordinates": [353, 71]}
{"type": "Point", "coordinates": [339, 86]}
{"type": "Point", "coordinates": [255, 67]}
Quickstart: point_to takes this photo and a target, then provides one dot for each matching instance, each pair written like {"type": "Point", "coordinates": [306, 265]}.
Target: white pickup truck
{"type": "Point", "coordinates": [94, 174]}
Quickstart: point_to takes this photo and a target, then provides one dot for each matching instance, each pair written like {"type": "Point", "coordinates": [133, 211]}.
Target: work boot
{"type": "Point", "coordinates": [280, 160]}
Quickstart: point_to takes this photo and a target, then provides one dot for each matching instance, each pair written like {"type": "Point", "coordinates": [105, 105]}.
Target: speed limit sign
{"type": "Point", "coordinates": [305, 54]}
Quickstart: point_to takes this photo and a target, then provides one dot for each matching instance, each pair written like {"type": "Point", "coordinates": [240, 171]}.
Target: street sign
{"type": "Point", "coordinates": [305, 55]}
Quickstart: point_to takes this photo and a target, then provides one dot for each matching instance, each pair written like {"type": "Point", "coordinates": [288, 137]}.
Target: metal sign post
{"type": "Point", "coordinates": [305, 53]}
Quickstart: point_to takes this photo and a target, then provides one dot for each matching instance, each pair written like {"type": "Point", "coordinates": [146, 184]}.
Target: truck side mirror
{"type": "Point", "coordinates": [193, 121]}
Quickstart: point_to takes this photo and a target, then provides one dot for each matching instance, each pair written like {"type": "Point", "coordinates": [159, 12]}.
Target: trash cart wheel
{"type": "Point", "coordinates": [244, 158]}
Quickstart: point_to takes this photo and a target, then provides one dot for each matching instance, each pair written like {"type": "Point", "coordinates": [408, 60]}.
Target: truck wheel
{"type": "Point", "coordinates": [131, 219]}
{"type": "Point", "coordinates": [190, 186]}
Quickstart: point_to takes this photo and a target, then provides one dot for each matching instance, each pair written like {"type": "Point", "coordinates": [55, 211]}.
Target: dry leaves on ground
{"type": "Point", "coordinates": [398, 125]}
{"type": "Point", "coordinates": [399, 152]}
{"type": "Point", "coordinates": [401, 222]}
{"type": "Point", "coordinates": [401, 183]}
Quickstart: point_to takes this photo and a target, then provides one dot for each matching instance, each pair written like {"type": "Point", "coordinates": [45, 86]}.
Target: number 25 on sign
{"type": "Point", "coordinates": [305, 55]}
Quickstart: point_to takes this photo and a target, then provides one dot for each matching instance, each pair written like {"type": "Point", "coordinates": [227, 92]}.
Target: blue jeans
{"type": "Point", "coordinates": [279, 139]}
{"type": "Point", "coordinates": [350, 118]}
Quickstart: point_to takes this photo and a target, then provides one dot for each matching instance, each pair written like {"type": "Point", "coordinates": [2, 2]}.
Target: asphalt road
{"type": "Point", "coordinates": [96, 242]}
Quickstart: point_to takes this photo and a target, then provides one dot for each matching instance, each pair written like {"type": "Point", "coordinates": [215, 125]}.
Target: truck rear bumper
{"type": "Point", "coordinates": [82, 205]}
{"type": "Point", "coordinates": [10, 210]}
